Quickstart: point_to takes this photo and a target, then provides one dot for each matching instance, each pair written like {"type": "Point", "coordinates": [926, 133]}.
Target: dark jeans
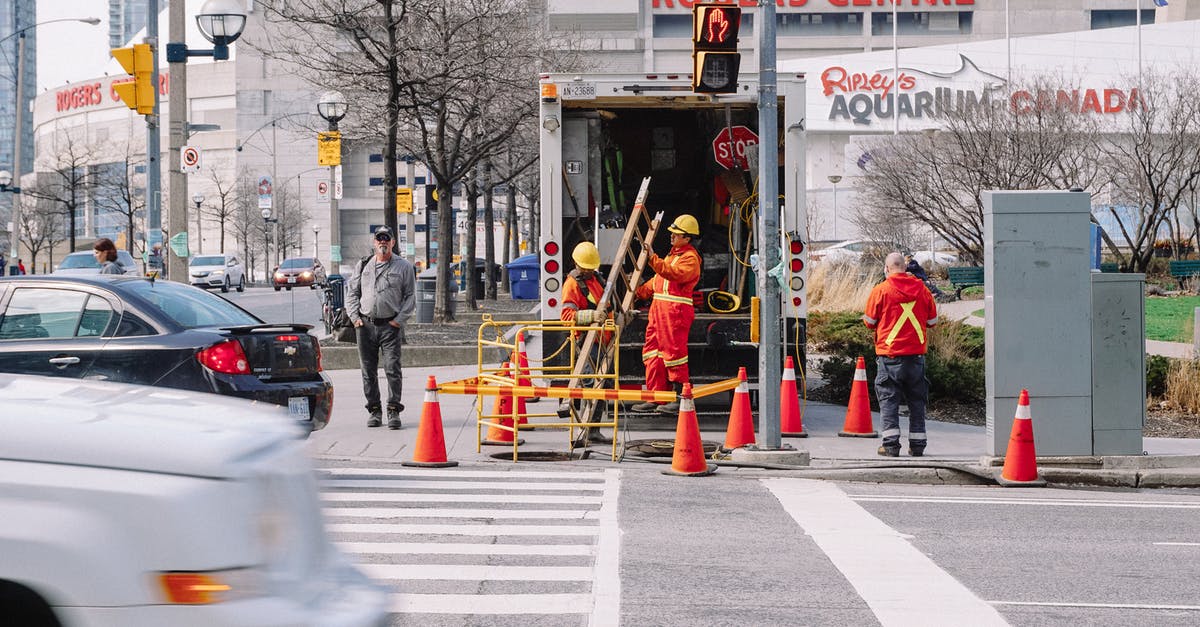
{"type": "Point", "coordinates": [902, 380]}
{"type": "Point", "coordinates": [372, 338]}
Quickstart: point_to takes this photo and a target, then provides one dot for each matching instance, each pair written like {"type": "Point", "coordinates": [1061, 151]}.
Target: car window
{"type": "Point", "coordinates": [132, 326]}
{"type": "Point", "coordinates": [208, 261]}
{"type": "Point", "coordinates": [299, 262]}
{"type": "Point", "coordinates": [79, 260]}
{"type": "Point", "coordinates": [192, 307]}
{"type": "Point", "coordinates": [97, 316]}
{"type": "Point", "coordinates": [42, 313]}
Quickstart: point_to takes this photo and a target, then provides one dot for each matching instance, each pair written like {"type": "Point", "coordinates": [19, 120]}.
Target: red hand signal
{"type": "Point", "coordinates": [718, 26]}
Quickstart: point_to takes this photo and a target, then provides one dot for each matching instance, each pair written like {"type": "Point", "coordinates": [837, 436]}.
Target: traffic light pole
{"type": "Point", "coordinates": [153, 228]}
{"type": "Point", "coordinates": [769, 355]}
{"type": "Point", "coordinates": [177, 191]}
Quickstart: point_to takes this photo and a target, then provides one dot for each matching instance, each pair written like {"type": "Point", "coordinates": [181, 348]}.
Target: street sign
{"type": "Point", "coordinates": [337, 182]}
{"type": "Point", "coordinates": [323, 191]}
{"type": "Point", "coordinates": [189, 159]}
{"type": "Point", "coordinates": [404, 201]}
{"type": "Point", "coordinates": [329, 148]}
{"type": "Point", "coordinates": [264, 192]}
{"type": "Point", "coordinates": [725, 151]}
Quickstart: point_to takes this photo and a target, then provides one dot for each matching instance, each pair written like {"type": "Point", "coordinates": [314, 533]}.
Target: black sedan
{"type": "Point", "coordinates": [137, 330]}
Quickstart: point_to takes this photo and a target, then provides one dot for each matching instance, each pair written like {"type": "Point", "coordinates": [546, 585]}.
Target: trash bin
{"type": "Point", "coordinates": [523, 275]}
{"type": "Point", "coordinates": [336, 291]}
{"type": "Point", "coordinates": [427, 294]}
{"type": "Point", "coordinates": [480, 276]}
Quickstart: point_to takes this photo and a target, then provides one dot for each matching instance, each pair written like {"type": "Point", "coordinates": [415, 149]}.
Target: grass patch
{"type": "Point", "coordinates": [978, 313]}
{"type": "Point", "coordinates": [1170, 319]}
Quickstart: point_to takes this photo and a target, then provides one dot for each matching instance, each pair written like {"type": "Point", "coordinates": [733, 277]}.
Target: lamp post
{"type": "Point", "coordinates": [198, 198]}
{"type": "Point", "coordinates": [267, 222]}
{"type": "Point", "coordinates": [316, 233]}
{"type": "Point", "coordinates": [19, 123]}
{"type": "Point", "coordinates": [333, 107]}
{"type": "Point", "coordinates": [835, 179]}
{"type": "Point", "coordinates": [221, 22]}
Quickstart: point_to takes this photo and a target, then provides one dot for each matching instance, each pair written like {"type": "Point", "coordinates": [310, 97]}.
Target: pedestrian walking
{"type": "Point", "coordinates": [665, 351]}
{"type": "Point", "coordinates": [20, 266]}
{"type": "Point", "coordinates": [106, 255]}
{"type": "Point", "coordinates": [379, 301]}
{"type": "Point", "coordinates": [901, 311]}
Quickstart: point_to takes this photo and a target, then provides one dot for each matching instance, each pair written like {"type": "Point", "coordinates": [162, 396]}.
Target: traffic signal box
{"type": "Point", "coordinates": [138, 61]}
{"type": "Point", "coordinates": [715, 59]}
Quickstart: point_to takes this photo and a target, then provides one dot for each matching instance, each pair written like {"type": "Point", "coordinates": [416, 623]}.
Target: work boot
{"type": "Point", "coordinates": [670, 409]}
{"type": "Point", "coordinates": [889, 451]}
{"type": "Point", "coordinates": [644, 408]}
{"type": "Point", "coordinates": [916, 451]}
{"type": "Point", "coordinates": [376, 418]}
{"type": "Point", "coordinates": [394, 417]}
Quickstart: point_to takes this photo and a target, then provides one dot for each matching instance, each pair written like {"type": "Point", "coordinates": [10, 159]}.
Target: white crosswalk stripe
{"type": "Point", "coordinates": [467, 542]}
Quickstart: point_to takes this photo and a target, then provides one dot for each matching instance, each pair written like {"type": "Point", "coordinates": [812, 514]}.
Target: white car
{"type": "Point", "coordinates": [851, 251]}
{"type": "Point", "coordinates": [223, 271]}
{"type": "Point", "coordinates": [924, 257]}
{"type": "Point", "coordinates": [137, 506]}
{"type": "Point", "coordinates": [84, 262]}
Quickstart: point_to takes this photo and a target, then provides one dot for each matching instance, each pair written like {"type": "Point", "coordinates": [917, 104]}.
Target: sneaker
{"type": "Point", "coordinates": [916, 451]}
{"type": "Point", "coordinates": [394, 417]}
{"type": "Point", "coordinates": [376, 418]}
{"type": "Point", "coordinates": [670, 409]}
{"type": "Point", "coordinates": [889, 451]}
{"type": "Point", "coordinates": [644, 408]}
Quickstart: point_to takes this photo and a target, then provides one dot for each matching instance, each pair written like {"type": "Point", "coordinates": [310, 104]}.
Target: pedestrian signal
{"type": "Point", "coordinates": [137, 94]}
{"type": "Point", "coordinates": [715, 59]}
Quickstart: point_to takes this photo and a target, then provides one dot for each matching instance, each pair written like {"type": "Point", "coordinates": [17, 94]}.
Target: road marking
{"type": "Point", "coordinates": [470, 572]}
{"type": "Point", "coordinates": [606, 589]}
{"type": "Point", "coordinates": [465, 530]}
{"type": "Point", "coordinates": [1177, 544]}
{"type": "Point", "coordinates": [878, 498]}
{"type": "Point", "coordinates": [405, 512]}
{"type": "Point", "coordinates": [900, 584]}
{"type": "Point", "coordinates": [447, 548]}
{"type": "Point", "coordinates": [505, 486]}
{"type": "Point", "coordinates": [490, 603]}
{"type": "Point", "coordinates": [495, 475]}
{"type": "Point", "coordinates": [410, 497]}
{"type": "Point", "coordinates": [1119, 606]}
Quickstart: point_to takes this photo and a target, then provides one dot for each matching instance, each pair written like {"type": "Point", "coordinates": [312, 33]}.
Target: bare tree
{"type": "Point", "coordinates": [117, 190]}
{"type": "Point", "coordinates": [68, 179]}
{"type": "Point", "coordinates": [249, 229]}
{"type": "Point", "coordinates": [225, 207]}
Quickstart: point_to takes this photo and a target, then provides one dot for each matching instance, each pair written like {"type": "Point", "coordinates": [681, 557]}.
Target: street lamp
{"type": "Point", "coordinates": [6, 179]}
{"type": "Point", "coordinates": [835, 179]}
{"type": "Point", "coordinates": [267, 221]}
{"type": "Point", "coordinates": [221, 22]}
{"type": "Point", "coordinates": [333, 107]}
{"type": "Point", "coordinates": [316, 234]}
{"type": "Point", "coordinates": [198, 198]}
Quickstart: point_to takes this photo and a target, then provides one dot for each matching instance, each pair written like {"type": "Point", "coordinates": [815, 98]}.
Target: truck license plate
{"type": "Point", "coordinates": [579, 91]}
{"type": "Point", "coordinates": [298, 407]}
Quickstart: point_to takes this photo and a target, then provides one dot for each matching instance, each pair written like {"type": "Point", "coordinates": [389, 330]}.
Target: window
{"type": "Point", "coordinates": [192, 308]}
{"type": "Point", "coordinates": [132, 326]}
{"type": "Point", "coordinates": [1118, 18]}
{"type": "Point", "coordinates": [923, 23]}
{"type": "Point", "coordinates": [42, 313]}
{"type": "Point", "coordinates": [97, 315]}
{"type": "Point", "coordinates": [818, 24]}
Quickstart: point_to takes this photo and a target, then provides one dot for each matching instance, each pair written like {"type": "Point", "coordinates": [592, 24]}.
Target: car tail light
{"type": "Point", "coordinates": [218, 586]}
{"type": "Point", "coordinates": [287, 338]}
{"type": "Point", "coordinates": [226, 357]}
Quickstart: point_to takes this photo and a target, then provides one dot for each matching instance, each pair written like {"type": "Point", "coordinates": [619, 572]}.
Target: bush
{"type": "Point", "coordinates": [1157, 368]}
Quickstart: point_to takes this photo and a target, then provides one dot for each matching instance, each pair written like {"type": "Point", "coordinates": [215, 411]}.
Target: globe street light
{"type": "Point", "coordinates": [835, 179]}
{"type": "Point", "coordinates": [333, 107]}
{"type": "Point", "coordinates": [198, 198]}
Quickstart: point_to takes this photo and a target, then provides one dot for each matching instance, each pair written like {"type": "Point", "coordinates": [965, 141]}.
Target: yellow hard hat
{"type": "Point", "coordinates": [685, 225]}
{"type": "Point", "coordinates": [586, 256]}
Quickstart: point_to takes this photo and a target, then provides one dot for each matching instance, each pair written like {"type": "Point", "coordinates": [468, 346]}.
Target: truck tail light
{"type": "Point", "coordinates": [552, 267]}
{"type": "Point", "coordinates": [551, 248]}
{"type": "Point", "coordinates": [226, 357]}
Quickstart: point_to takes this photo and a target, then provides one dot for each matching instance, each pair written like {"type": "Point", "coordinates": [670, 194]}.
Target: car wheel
{"type": "Point", "coordinates": [276, 288]}
{"type": "Point", "coordinates": [313, 286]}
{"type": "Point", "coordinates": [242, 284]}
{"type": "Point", "coordinates": [225, 286]}
{"type": "Point", "coordinates": [289, 288]}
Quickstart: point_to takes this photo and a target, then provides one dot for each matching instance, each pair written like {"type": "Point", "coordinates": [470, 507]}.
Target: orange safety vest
{"type": "Point", "coordinates": [900, 309]}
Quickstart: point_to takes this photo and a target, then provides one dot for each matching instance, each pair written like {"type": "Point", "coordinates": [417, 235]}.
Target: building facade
{"type": "Point", "coordinates": [14, 16]}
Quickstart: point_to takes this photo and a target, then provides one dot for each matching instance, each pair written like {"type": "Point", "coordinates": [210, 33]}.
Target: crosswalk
{"type": "Point", "coordinates": [482, 543]}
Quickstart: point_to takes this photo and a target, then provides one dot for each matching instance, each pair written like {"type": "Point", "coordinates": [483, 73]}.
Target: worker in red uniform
{"type": "Point", "coordinates": [665, 352]}
{"type": "Point", "coordinates": [901, 311]}
{"type": "Point", "coordinates": [582, 289]}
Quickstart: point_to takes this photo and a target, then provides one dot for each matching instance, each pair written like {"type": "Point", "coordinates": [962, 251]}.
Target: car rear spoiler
{"type": "Point", "coordinates": [282, 326]}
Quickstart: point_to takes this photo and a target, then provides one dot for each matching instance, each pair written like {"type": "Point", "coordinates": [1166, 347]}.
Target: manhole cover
{"type": "Point", "coordinates": [542, 456]}
{"type": "Point", "coordinates": [663, 448]}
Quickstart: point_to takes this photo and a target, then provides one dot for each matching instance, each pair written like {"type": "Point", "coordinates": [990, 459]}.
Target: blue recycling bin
{"type": "Point", "coordinates": [523, 275]}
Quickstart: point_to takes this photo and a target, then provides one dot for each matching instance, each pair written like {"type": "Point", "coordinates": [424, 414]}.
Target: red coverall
{"type": "Point", "coordinates": [665, 352]}
{"type": "Point", "coordinates": [573, 298]}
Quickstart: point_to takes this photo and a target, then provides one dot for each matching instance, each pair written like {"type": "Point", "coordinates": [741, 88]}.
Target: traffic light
{"type": "Point", "coordinates": [715, 59]}
{"type": "Point", "coordinates": [137, 94]}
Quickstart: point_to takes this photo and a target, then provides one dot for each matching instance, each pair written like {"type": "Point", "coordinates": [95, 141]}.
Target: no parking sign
{"type": "Point", "coordinates": [189, 159]}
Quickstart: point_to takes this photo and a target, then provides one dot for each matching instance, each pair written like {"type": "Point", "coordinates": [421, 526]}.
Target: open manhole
{"type": "Point", "coordinates": [543, 456]}
{"type": "Point", "coordinates": [663, 448]}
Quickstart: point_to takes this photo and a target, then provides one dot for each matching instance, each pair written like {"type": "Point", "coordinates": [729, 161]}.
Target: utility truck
{"type": "Point", "coordinates": [601, 134]}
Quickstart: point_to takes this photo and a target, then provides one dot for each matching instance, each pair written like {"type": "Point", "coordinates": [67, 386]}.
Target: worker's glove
{"type": "Point", "coordinates": [585, 317]}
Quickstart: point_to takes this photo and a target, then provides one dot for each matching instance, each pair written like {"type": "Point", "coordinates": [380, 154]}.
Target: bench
{"type": "Point", "coordinates": [1184, 270]}
{"type": "Point", "coordinates": [963, 277]}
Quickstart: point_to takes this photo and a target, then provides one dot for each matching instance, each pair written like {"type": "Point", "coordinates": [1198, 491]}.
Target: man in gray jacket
{"type": "Point", "coordinates": [380, 298]}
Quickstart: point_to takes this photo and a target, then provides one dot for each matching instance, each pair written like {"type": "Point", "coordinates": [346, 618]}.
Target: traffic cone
{"type": "Point", "coordinates": [858, 412]}
{"type": "Point", "coordinates": [740, 431]}
{"type": "Point", "coordinates": [688, 458]}
{"type": "Point", "coordinates": [521, 361]}
{"type": "Point", "coordinates": [429, 451]}
{"type": "Point", "coordinates": [1020, 461]}
{"type": "Point", "coordinates": [790, 424]}
{"type": "Point", "coordinates": [502, 416]}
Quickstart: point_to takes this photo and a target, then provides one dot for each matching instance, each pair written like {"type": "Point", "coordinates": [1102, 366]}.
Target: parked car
{"type": "Point", "coordinates": [223, 271]}
{"type": "Point", "coordinates": [129, 505]}
{"type": "Point", "coordinates": [84, 262]}
{"type": "Point", "coordinates": [850, 251]}
{"type": "Point", "coordinates": [299, 272]}
{"type": "Point", "coordinates": [925, 257]}
{"type": "Point", "coordinates": [160, 333]}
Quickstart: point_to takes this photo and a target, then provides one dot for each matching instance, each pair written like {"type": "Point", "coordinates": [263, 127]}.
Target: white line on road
{"type": "Point", "coordinates": [1119, 606]}
{"type": "Point", "coordinates": [405, 512]}
{"type": "Point", "coordinates": [468, 572]}
{"type": "Point", "coordinates": [443, 484]}
{"type": "Point", "coordinates": [465, 530]}
{"type": "Point", "coordinates": [900, 584]}
{"type": "Point", "coordinates": [606, 587]}
{"type": "Point", "coordinates": [414, 473]}
{"type": "Point", "coordinates": [455, 548]}
{"type": "Point", "coordinates": [490, 603]}
{"type": "Point", "coordinates": [410, 497]}
{"type": "Point", "coordinates": [1177, 544]}
{"type": "Point", "coordinates": [878, 498]}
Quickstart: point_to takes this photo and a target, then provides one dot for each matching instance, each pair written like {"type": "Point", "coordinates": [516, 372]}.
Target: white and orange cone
{"type": "Point", "coordinates": [791, 425]}
{"type": "Point", "coordinates": [1020, 460]}
{"type": "Point", "coordinates": [688, 459]}
{"type": "Point", "coordinates": [429, 451]}
{"type": "Point", "coordinates": [858, 412]}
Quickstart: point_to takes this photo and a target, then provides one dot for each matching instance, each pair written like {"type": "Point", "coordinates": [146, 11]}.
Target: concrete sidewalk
{"type": "Point", "coordinates": [955, 453]}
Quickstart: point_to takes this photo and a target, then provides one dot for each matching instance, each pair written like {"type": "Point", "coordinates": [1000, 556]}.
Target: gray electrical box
{"type": "Point", "coordinates": [1038, 302]}
{"type": "Point", "coordinates": [1118, 363]}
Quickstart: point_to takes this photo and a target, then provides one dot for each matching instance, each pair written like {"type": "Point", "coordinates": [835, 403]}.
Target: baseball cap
{"type": "Point", "coordinates": [383, 233]}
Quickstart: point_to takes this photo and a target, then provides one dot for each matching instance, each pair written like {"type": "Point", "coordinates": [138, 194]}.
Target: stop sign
{"type": "Point", "coordinates": [725, 151]}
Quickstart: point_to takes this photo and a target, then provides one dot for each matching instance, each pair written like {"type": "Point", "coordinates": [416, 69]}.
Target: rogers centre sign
{"type": "Point", "coordinates": [796, 4]}
{"type": "Point", "coordinates": [92, 94]}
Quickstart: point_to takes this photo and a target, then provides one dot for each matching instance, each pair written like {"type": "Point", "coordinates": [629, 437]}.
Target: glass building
{"type": "Point", "coordinates": [14, 16]}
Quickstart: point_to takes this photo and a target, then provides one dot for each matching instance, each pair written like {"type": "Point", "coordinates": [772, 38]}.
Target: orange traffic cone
{"type": "Point", "coordinates": [501, 416]}
{"type": "Point", "coordinates": [790, 424]}
{"type": "Point", "coordinates": [688, 459]}
{"type": "Point", "coordinates": [430, 448]}
{"type": "Point", "coordinates": [858, 412]}
{"type": "Point", "coordinates": [521, 361]}
{"type": "Point", "coordinates": [740, 431]}
{"type": "Point", "coordinates": [1020, 461]}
